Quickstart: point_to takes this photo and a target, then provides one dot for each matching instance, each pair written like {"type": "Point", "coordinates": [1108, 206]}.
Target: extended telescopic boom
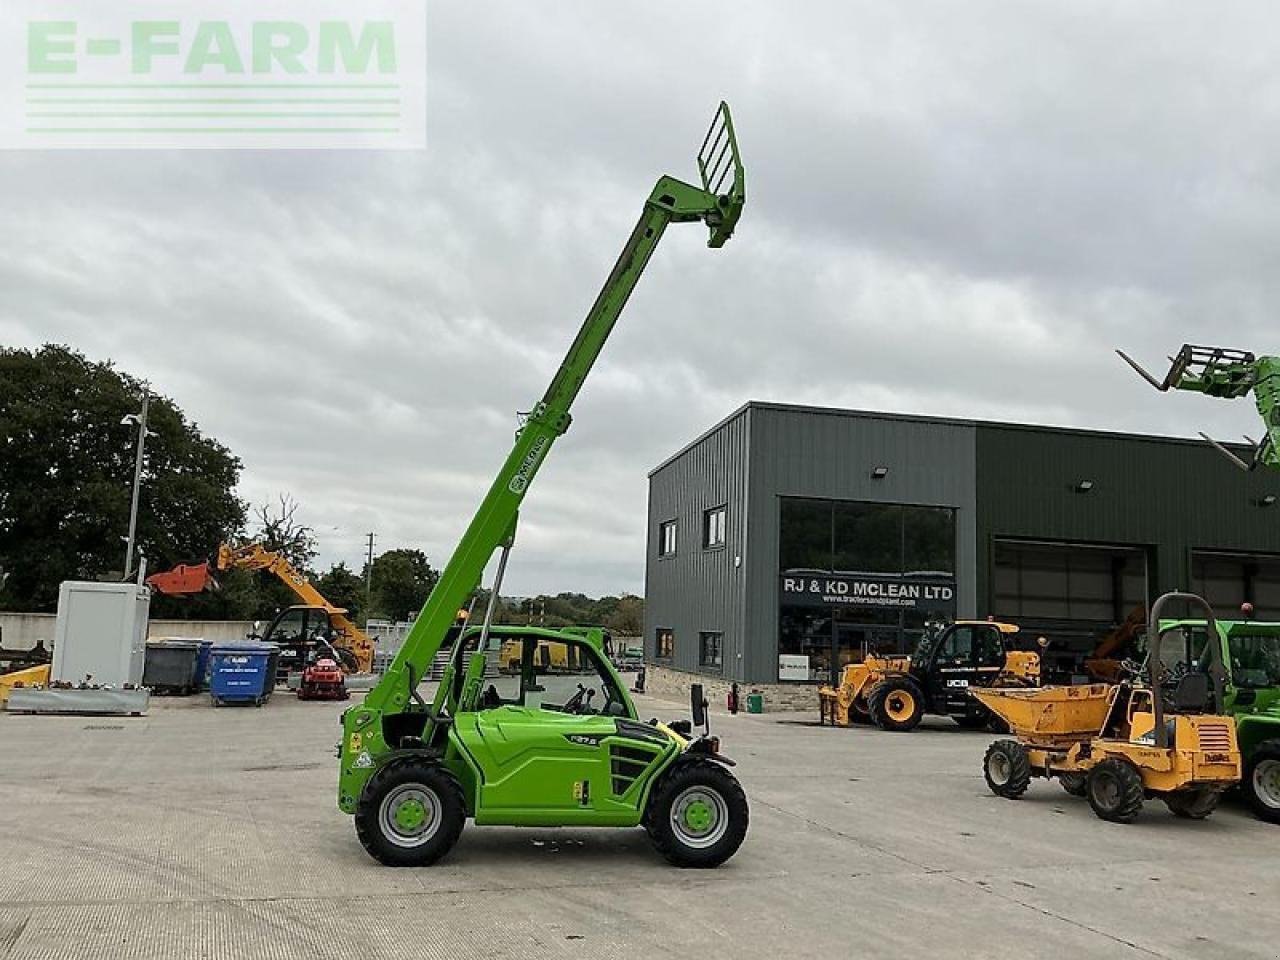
{"type": "Point", "coordinates": [718, 203]}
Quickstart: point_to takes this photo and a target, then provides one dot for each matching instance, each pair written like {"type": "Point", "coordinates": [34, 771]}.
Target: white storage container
{"type": "Point", "coordinates": [101, 632]}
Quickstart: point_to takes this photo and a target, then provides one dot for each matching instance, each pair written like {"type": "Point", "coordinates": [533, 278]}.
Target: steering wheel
{"type": "Point", "coordinates": [579, 701]}
{"type": "Point", "coordinates": [1133, 668]}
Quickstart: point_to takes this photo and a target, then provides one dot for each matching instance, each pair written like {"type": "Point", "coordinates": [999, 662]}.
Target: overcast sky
{"type": "Point", "coordinates": [956, 209]}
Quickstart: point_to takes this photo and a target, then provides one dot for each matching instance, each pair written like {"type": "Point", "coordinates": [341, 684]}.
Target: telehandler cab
{"type": "Point", "coordinates": [1165, 737]}
{"type": "Point", "coordinates": [411, 771]}
{"type": "Point", "coordinates": [895, 693]}
{"type": "Point", "coordinates": [1250, 650]}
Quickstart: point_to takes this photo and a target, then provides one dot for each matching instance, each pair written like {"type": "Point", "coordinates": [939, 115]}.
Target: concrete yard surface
{"type": "Point", "coordinates": [205, 833]}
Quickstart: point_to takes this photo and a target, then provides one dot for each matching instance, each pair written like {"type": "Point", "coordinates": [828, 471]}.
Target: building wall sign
{"type": "Point", "coordinates": [793, 667]}
{"type": "Point", "coordinates": [863, 590]}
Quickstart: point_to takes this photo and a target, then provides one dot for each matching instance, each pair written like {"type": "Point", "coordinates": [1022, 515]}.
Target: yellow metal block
{"type": "Point", "coordinates": [30, 677]}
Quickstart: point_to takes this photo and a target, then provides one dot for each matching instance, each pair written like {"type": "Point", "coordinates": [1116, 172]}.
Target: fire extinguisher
{"type": "Point", "coordinates": [732, 698]}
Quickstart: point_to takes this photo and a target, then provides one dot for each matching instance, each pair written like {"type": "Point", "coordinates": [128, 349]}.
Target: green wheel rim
{"type": "Point", "coordinates": [699, 817]}
{"type": "Point", "coordinates": [410, 815]}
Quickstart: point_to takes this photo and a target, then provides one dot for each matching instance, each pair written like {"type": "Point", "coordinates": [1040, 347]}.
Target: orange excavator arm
{"type": "Point", "coordinates": [254, 556]}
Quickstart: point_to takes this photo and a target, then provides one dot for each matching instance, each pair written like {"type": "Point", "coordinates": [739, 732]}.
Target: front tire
{"type": "Point", "coordinates": [896, 704]}
{"type": "Point", "coordinates": [1193, 804]}
{"type": "Point", "coordinates": [1115, 792]}
{"type": "Point", "coordinates": [697, 815]}
{"type": "Point", "coordinates": [1262, 781]}
{"type": "Point", "coordinates": [1007, 769]}
{"type": "Point", "coordinates": [410, 813]}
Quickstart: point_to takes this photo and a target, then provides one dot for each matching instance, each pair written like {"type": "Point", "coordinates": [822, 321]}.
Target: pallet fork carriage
{"type": "Point", "coordinates": [1118, 744]}
{"type": "Point", "coordinates": [411, 772]}
{"type": "Point", "coordinates": [1227, 374]}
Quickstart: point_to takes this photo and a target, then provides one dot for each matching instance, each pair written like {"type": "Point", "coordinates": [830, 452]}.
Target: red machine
{"type": "Point", "coordinates": [323, 680]}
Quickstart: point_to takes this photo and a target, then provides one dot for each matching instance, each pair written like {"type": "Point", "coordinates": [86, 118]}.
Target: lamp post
{"type": "Point", "coordinates": [368, 582]}
{"type": "Point", "coordinates": [140, 419]}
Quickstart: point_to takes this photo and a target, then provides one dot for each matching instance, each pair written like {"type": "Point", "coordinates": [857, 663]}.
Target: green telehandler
{"type": "Point", "coordinates": [1251, 655]}
{"type": "Point", "coordinates": [412, 771]}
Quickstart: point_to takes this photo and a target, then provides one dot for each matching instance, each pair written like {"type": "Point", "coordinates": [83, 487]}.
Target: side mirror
{"type": "Point", "coordinates": [697, 705]}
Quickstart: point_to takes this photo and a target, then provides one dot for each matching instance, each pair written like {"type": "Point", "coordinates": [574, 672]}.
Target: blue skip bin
{"type": "Point", "coordinates": [242, 673]}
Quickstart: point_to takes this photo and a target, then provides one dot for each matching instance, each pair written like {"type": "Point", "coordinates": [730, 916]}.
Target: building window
{"type": "Point", "coordinates": [846, 536]}
{"type": "Point", "coordinates": [713, 524]}
{"type": "Point", "coordinates": [710, 650]}
{"type": "Point", "coordinates": [667, 538]}
{"type": "Point", "coordinates": [664, 647]}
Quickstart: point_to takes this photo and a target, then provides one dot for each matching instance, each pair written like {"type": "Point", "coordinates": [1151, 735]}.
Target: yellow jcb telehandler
{"type": "Point", "coordinates": [894, 693]}
{"type": "Point", "coordinates": [1117, 744]}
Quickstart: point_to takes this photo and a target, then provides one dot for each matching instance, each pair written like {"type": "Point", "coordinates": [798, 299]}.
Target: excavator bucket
{"type": "Point", "coordinates": [183, 579]}
{"type": "Point", "coordinates": [723, 176]}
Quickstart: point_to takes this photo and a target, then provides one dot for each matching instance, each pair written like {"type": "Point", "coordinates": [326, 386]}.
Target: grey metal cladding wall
{"type": "Point", "coordinates": [1173, 494]}
{"type": "Point", "coordinates": [808, 452]}
{"type": "Point", "coordinates": [699, 590]}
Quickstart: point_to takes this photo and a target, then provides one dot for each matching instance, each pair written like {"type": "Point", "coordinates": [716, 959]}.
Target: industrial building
{"type": "Point", "coordinates": [787, 540]}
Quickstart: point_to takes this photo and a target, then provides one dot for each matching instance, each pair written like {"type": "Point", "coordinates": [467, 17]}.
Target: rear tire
{"type": "Point", "coordinates": [1076, 784]}
{"type": "Point", "coordinates": [1115, 791]}
{"type": "Point", "coordinates": [410, 813]}
{"type": "Point", "coordinates": [1007, 769]}
{"type": "Point", "coordinates": [697, 814]}
{"type": "Point", "coordinates": [896, 704]}
{"type": "Point", "coordinates": [1193, 803]}
{"type": "Point", "coordinates": [1261, 781]}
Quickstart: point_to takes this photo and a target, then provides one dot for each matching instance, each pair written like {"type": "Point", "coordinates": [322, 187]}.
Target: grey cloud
{"type": "Point", "coordinates": [954, 210]}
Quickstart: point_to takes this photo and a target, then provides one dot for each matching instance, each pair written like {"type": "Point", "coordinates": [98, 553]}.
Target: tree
{"type": "Point", "coordinates": [627, 619]}
{"type": "Point", "coordinates": [66, 476]}
{"type": "Point", "coordinates": [280, 531]}
{"type": "Point", "coordinates": [343, 588]}
{"type": "Point", "coordinates": [402, 580]}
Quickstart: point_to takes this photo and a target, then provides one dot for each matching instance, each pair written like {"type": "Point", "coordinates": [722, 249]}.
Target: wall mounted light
{"type": "Point", "coordinates": [879, 473]}
{"type": "Point", "coordinates": [1084, 486]}
{"type": "Point", "coordinates": [1268, 501]}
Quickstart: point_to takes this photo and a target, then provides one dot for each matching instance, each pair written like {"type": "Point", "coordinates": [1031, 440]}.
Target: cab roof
{"type": "Point", "coordinates": [998, 624]}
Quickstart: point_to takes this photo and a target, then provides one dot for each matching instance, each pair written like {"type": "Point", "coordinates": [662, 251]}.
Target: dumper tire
{"type": "Point", "coordinates": [896, 704]}
{"type": "Point", "coordinates": [1007, 769]}
{"type": "Point", "coordinates": [410, 813]}
{"type": "Point", "coordinates": [1261, 783]}
{"type": "Point", "coordinates": [1076, 784]}
{"type": "Point", "coordinates": [1194, 803]}
{"type": "Point", "coordinates": [1115, 791]}
{"type": "Point", "coordinates": [969, 721]}
{"type": "Point", "coordinates": [697, 814]}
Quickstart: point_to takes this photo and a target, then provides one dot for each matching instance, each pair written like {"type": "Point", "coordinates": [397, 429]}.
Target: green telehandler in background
{"type": "Point", "coordinates": [1251, 655]}
{"type": "Point", "coordinates": [1250, 648]}
{"type": "Point", "coordinates": [413, 771]}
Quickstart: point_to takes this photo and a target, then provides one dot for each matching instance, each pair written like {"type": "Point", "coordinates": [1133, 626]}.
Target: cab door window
{"type": "Point", "coordinates": [989, 648]}
{"type": "Point", "coordinates": [568, 674]}
{"type": "Point", "coordinates": [956, 649]}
